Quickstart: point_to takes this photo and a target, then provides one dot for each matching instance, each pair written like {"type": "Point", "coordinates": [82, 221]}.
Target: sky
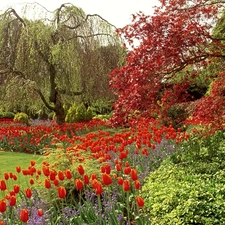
{"type": "Point", "coordinates": [117, 12]}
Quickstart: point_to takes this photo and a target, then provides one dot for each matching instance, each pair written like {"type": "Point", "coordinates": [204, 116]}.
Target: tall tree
{"type": "Point", "coordinates": [177, 35]}
{"type": "Point", "coordinates": [101, 62]}
{"type": "Point", "coordinates": [45, 56]}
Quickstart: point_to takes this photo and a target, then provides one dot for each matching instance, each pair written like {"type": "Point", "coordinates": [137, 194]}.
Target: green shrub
{"type": "Point", "coordinates": [22, 117]}
{"type": "Point", "coordinates": [175, 196]}
{"type": "Point", "coordinates": [189, 187]}
{"type": "Point", "coordinates": [176, 115]}
{"type": "Point", "coordinates": [102, 107]}
{"type": "Point", "coordinates": [78, 113]}
{"type": "Point", "coordinates": [103, 117]}
{"type": "Point", "coordinates": [9, 115]}
{"type": "Point", "coordinates": [198, 147]}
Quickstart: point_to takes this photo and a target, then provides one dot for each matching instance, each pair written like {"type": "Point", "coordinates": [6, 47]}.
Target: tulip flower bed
{"type": "Point", "coordinates": [41, 134]}
{"type": "Point", "coordinates": [90, 179]}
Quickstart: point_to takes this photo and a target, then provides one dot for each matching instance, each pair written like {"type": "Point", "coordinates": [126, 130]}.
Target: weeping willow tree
{"type": "Point", "coordinates": [51, 60]}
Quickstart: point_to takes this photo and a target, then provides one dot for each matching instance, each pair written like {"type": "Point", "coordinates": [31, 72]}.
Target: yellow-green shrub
{"type": "Point", "coordinates": [22, 117]}
{"type": "Point", "coordinates": [78, 113]}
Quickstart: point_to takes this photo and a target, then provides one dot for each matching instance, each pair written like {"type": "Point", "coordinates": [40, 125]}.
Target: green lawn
{"type": "Point", "coordinates": [9, 161]}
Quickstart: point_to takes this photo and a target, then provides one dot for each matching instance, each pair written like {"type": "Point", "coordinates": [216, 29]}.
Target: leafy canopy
{"type": "Point", "coordinates": [177, 36]}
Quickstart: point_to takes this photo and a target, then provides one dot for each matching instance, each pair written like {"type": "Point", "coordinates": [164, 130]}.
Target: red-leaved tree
{"type": "Point", "coordinates": [177, 35]}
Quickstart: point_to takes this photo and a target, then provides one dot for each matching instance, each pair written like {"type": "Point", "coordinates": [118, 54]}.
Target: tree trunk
{"type": "Point", "coordinates": [59, 110]}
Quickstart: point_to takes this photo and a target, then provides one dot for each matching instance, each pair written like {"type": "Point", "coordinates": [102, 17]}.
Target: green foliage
{"type": "Point", "coordinates": [104, 117]}
{"type": "Point", "coordinates": [51, 115]}
{"type": "Point", "coordinates": [22, 117]}
{"type": "Point", "coordinates": [9, 115]}
{"type": "Point", "coordinates": [78, 113]}
{"type": "Point", "coordinates": [218, 30]}
{"type": "Point", "coordinates": [187, 189]}
{"type": "Point", "coordinates": [176, 114]}
{"type": "Point", "coordinates": [209, 91]}
{"type": "Point", "coordinates": [198, 147]}
{"type": "Point", "coordinates": [174, 196]}
{"type": "Point", "coordinates": [102, 107]}
{"type": "Point", "coordinates": [42, 52]}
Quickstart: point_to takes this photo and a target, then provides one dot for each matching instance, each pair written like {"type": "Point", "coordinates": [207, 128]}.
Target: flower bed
{"type": "Point", "coordinates": [85, 179]}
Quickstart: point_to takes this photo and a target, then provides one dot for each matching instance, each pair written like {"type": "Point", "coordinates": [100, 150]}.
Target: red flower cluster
{"type": "Point", "coordinates": [120, 171]}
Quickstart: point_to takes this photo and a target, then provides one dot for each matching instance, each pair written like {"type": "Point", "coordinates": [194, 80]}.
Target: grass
{"type": "Point", "coordinates": [9, 161]}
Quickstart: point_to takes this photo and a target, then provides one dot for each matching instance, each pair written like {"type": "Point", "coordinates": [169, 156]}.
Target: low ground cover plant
{"type": "Point", "coordinates": [189, 187]}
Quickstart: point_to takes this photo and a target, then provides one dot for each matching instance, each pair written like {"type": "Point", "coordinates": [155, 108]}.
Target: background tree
{"type": "Point", "coordinates": [101, 61]}
{"type": "Point", "coordinates": [176, 40]}
{"type": "Point", "coordinates": [47, 57]}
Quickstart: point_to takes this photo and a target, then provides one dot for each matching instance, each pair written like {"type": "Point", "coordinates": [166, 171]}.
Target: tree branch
{"type": "Point", "coordinates": [86, 19]}
{"type": "Point", "coordinates": [44, 100]}
{"type": "Point", "coordinates": [91, 35]}
{"type": "Point", "coordinates": [13, 11]}
{"type": "Point", "coordinates": [193, 60]}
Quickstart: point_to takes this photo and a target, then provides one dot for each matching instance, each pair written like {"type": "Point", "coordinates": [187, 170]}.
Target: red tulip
{"type": "Point", "coordinates": [2, 185]}
{"type": "Point", "coordinates": [25, 172]}
{"type": "Point", "coordinates": [94, 183]}
{"type": "Point", "coordinates": [79, 184]}
{"type": "Point", "coordinates": [24, 215]}
{"type": "Point", "coordinates": [46, 170]}
{"type": "Point", "coordinates": [80, 170]}
{"type": "Point", "coordinates": [106, 168]}
{"type": "Point", "coordinates": [18, 169]}
{"type": "Point", "coordinates": [106, 179]}
{"type": "Point", "coordinates": [2, 206]}
{"type": "Point", "coordinates": [123, 155]}
{"type": "Point", "coordinates": [86, 179]}
{"type": "Point", "coordinates": [52, 175]}
{"type": "Point", "coordinates": [137, 184]}
{"type": "Point", "coordinates": [126, 170]}
{"type": "Point", "coordinates": [133, 174]}
{"type": "Point", "coordinates": [11, 193]}
{"type": "Point", "coordinates": [68, 174]}
{"type": "Point", "coordinates": [28, 192]}
{"type": "Point", "coordinates": [98, 189]}
{"type": "Point", "coordinates": [60, 175]}
{"type": "Point", "coordinates": [94, 176]}
{"type": "Point", "coordinates": [120, 180]}
{"type": "Point", "coordinates": [6, 176]}
{"type": "Point", "coordinates": [32, 162]}
{"type": "Point", "coordinates": [31, 181]}
{"type": "Point", "coordinates": [14, 177]}
{"type": "Point", "coordinates": [12, 200]}
{"type": "Point", "coordinates": [40, 212]}
{"type": "Point", "coordinates": [61, 192]}
{"type": "Point", "coordinates": [47, 183]}
{"type": "Point", "coordinates": [140, 201]}
{"type": "Point", "coordinates": [56, 182]}
{"type": "Point", "coordinates": [2, 222]}
{"type": "Point", "coordinates": [118, 167]}
{"type": "Point", "coordinates": [39, 172]}
{"type": "Point", "coordinates": [16, 188]}
{"type": "Point", "coordinates": [126, 185]}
